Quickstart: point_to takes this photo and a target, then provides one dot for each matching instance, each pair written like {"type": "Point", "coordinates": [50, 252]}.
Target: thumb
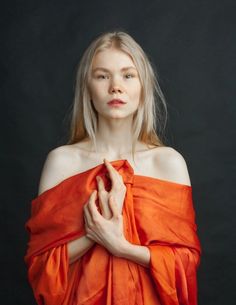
{"type": "Point", "coordinates": [113, 207]}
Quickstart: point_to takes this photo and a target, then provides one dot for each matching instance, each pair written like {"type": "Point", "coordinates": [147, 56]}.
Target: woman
{"type": "Point", "coordinates": [118, 232]}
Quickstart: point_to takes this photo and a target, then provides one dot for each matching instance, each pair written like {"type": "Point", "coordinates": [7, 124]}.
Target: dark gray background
{"type": "Point", "coordinates": [193, 45]}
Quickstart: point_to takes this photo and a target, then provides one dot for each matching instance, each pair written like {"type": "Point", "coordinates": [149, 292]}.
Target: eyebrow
{"type": "Point", "coordinates": [107, 70]}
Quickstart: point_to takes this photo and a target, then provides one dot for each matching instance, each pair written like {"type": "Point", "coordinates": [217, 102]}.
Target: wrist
{"type": "Point", "coordinates": [90, 242]}
{"type": "Point", "coordinates": [136, 253]}
{"type": "Point", "coordinates": [124, 248]}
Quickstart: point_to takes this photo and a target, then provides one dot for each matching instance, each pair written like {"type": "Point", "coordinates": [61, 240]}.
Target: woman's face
{"type": "Point", "coordinates": [114, 76]}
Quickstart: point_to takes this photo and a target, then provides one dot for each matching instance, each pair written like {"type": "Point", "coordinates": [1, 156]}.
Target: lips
{"type": "Point", "coordinates": [116, 102]}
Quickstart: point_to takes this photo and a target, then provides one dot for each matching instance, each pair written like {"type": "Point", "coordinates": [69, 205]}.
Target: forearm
{"type": "Point", "coordinates": [78, 248]}
{"type": "Point", "coordinates": [136, 253]}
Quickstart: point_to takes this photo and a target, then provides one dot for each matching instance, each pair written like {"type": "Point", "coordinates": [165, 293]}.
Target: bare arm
{"type": "Point", "coordinates": [78, 247]}
{"type": "Point", "coordinates": [135, 253]}
{"type": "Point", "coordinates": [53, 173]}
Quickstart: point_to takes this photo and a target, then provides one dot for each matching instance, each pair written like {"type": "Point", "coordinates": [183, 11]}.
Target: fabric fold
{"type": "Point", "coordinates": [158, 214]}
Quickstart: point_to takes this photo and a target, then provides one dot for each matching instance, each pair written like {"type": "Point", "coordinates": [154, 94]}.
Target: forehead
{"type": "Point", "coordinates": [110, 58]}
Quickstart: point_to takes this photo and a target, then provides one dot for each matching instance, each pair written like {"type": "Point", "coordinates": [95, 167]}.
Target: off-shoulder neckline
{"type": "Point", "coordinates": [163, 180]}
{"type": "Point", "coordinates": [136, 177]}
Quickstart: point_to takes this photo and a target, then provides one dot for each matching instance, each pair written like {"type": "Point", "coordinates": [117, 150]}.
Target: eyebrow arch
{"type": "Point", "coordinates": [107, 70]}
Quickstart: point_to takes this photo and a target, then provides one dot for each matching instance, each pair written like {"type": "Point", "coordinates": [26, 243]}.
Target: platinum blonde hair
{"type": "Point", "coordinates": [149, 121]}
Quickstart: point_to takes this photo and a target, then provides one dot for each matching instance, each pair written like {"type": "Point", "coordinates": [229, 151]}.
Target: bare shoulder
{"type": "Point", "coordinates": [57, 167]}
{"type": "Point", "coordinates": [172, 165]}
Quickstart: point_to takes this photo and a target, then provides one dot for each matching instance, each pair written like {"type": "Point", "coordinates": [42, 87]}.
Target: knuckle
{"type": "Point", "coordinates": [88, 230]}
{"type": "Point", "coordinates": [118, 217]}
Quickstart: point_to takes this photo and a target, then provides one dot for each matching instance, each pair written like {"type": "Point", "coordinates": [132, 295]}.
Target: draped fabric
{"type": "Point", "coordinates": [158, 214]}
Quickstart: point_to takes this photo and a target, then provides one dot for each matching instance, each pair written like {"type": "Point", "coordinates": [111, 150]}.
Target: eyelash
{"type": "Point", "coordinates": [101, 75]}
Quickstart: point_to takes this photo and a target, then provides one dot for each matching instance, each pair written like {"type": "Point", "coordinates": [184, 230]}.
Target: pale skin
{"type": "Point", "coordinates": [114, 138]}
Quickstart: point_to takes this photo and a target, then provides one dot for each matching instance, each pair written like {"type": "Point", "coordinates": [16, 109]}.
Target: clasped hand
{"type": "Point", "coordinates": [106, 228]}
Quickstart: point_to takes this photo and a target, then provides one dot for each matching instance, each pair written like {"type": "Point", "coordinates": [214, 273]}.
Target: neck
{"type": "Point", "coordinates": [114, 137]}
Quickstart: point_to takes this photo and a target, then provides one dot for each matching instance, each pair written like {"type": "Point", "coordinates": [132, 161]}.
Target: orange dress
{"type": "Point", "coordinates": [158, 214]}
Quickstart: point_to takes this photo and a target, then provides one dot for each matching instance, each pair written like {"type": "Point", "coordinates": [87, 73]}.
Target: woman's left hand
{"type": "Point", "coordinates": [106, 232]}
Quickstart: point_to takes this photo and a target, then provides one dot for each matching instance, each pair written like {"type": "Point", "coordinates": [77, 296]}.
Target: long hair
{"type": "Point", "coordinates": [149, 120]}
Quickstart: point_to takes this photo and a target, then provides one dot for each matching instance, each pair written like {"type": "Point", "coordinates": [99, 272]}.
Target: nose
{"type": "Point", "coordinates": [115, 87]}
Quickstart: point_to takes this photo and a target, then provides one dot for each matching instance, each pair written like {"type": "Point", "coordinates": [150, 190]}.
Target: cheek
{"type": "Point", "coordinates": [136, 90]}
{"type": "Point", "coordinates": [97, 91]}
{"type": "Point", "coordinates": [94, 94]}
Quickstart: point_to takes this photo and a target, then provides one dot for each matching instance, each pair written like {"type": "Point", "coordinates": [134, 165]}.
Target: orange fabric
{"type": "Point", "coordinates": [157, 213]}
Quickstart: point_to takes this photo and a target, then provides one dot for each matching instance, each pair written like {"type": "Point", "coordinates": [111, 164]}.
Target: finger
{"type": "Point", "coordinates": [90, 233]}
{"type": "Point", "coordinates": [114, 207]}
{"type": "Point", "coordinates": [92, 198]}
{"type": "Point", "coordinates": [102, 201]}
{"type": "Point", "coordinates": [85, 222]}
{"type": "Point", "coordinates": [87, 217]}
{"type": "Point", "coordinates": [95, 215]}
{"type": "Point", "coordinates": [87, 210]}
{"type": "Point", "coordinates": [93, 236]}
{"type": "Point", "coordinates": [86, 225]}
{"type": "Point", "coordinates": [101, 188]}
{"type": "Point", "coordinates": [113, 173]}
{"type": "Point", "coordinates": [100, 183]}
{"type": "Point", "coordinates": [102, 195]}
{"type": "Point", "coordinates": [110, 168]}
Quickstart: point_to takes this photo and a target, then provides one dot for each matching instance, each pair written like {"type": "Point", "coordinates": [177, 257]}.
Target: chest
{"type": "Point", "coordinates": [143, 165]}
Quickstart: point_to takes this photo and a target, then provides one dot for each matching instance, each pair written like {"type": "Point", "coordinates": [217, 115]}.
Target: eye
{"type": "Point", "coordinates": [101, 76]}
{"type": "Point", "coordinates": [129, 75]}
